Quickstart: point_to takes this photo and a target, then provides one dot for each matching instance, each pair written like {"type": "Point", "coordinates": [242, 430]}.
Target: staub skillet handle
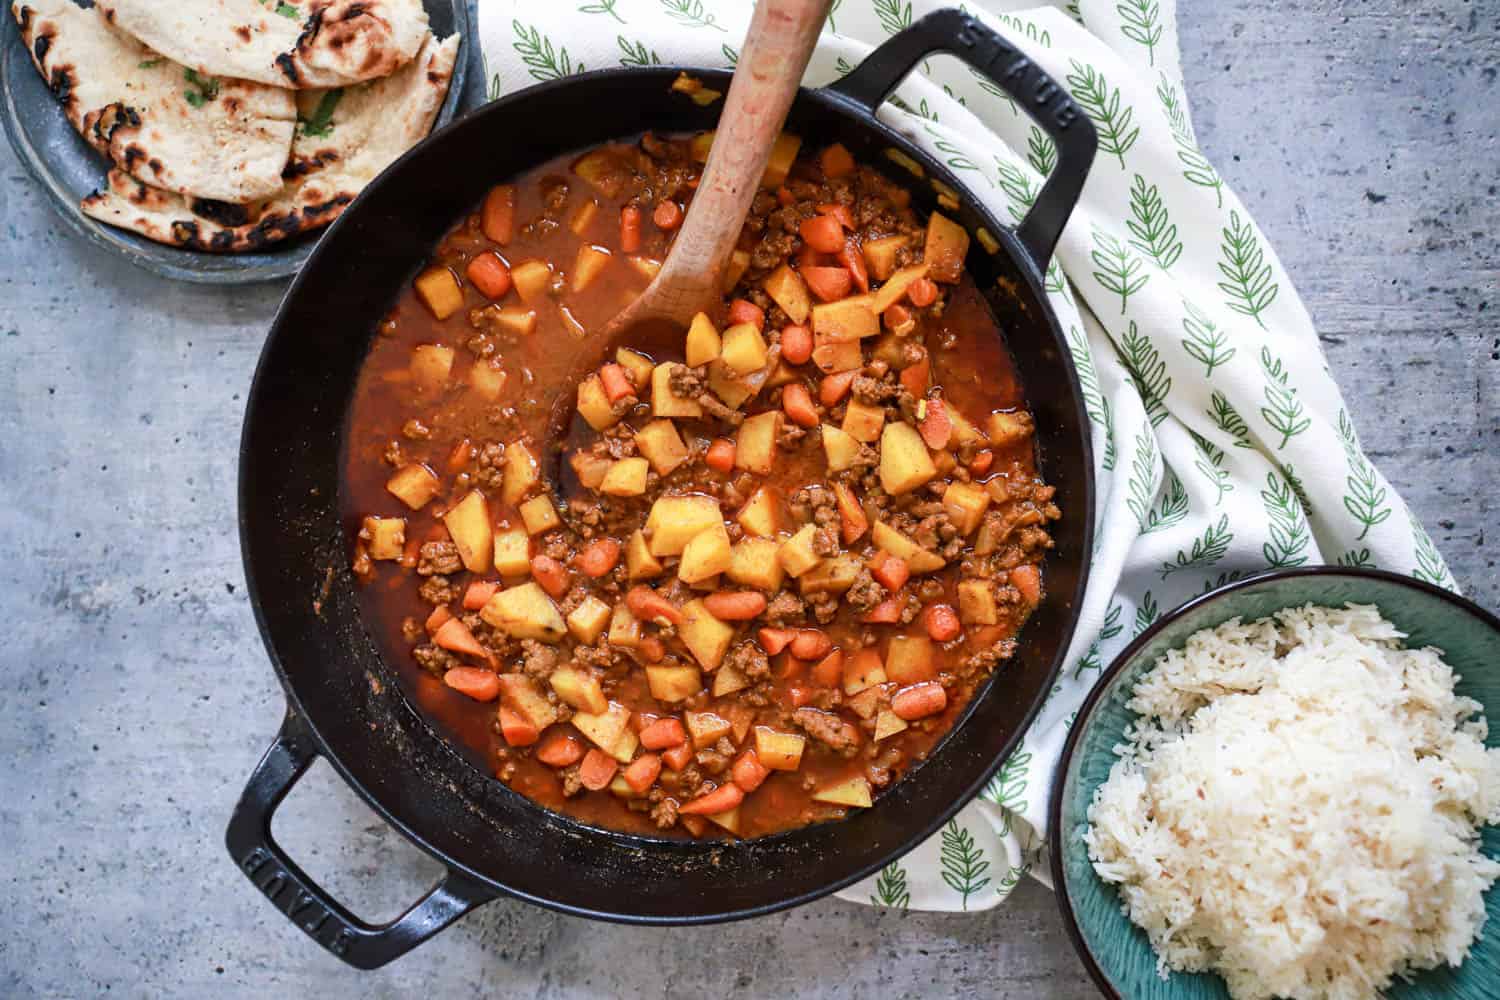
{"type": "Point", "coordinates": [987, 52]}
{"type": "Point", "coordinates": [303, 901]}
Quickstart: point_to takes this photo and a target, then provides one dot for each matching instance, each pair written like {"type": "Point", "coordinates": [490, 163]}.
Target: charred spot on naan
{"type": "Point", "coordinates": [301, 166]}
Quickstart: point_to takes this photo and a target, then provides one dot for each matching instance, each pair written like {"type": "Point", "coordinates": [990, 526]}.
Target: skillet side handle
{"type": "Point", "coordinates": [303, 901]}
{"type": "Point", "coordinates": [1049, 105]}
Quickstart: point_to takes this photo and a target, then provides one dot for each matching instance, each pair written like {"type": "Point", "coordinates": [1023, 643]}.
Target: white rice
{"type": "Point", "coordinates": [1298, 807]}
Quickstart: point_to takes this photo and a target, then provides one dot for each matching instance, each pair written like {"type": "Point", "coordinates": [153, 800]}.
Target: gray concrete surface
{"type": "Point", "coordinates": [137, 697]}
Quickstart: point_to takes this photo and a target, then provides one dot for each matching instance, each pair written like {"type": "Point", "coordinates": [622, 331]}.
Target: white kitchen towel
{"type": "Point", "coordinates": [1222, 444]}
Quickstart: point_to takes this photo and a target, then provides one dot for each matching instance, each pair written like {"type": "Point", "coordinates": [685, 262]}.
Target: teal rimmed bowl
{"type": "Point", "coordinates": [1116, 952]}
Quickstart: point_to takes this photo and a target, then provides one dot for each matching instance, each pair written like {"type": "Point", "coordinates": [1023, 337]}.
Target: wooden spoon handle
{"type": "Point", "coordinates": [777, 48]}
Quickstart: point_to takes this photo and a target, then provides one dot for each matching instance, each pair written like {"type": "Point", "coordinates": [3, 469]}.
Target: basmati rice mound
{"type": "Point", "coordinates": [1298, 807]}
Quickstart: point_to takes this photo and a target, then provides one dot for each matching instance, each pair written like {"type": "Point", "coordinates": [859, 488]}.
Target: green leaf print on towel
{"type": "Point", "coordinates": [541, 60]}
{"type": "Point", "coordinates": [1210, 462]}
{"type": "Point", "coordinates": [602, 7]}
{"type": "Point", "coordinates": [894, 15]}
{"type": "Point", "coordinates": [1195, 166]}
{"type": "Point", "coordinates": [1364, 497]}
{"type": "Point", "coordinates": [1102, 103]}
{"type": "Point", "coordinates": [1094, 402]}
{"type": "Point", "coordinates": [890, 887]}
{"type": "Point", "coordinates": [1204, 342]}
{"type": "Point", "coordinates": [1430, 566]}
{"type": "Point", "coordinates": [636, 53]}
{"type": "Point", "coordinates": [963, 862]}
{"type": "Point", "coordinates": [1007, 788]}
{"type": "Point", "coordinates": [1247, 276]}
{"type": "Point", "coordinates": [1146, 614]}
{"type": "Point", "coordinates": [1152, 230]}
{"type": "Point", "coordinates": [1287, 546]}
{"type": "Point", "coordinates": [1145, 478]}
{"type": "Point", "coordinates": [1225, 417]}
{"type": "Point", "coordinates": [1091, 660]}
{"type": "Point", "coordinates": [1207, 549]}
{"type": "Point", "coordinates": [1140, 21]}
{"type": "Point", "coordinates": [1041, 151]}
{"type": "Point", "coordinates": [691, 14]}
{"type": "Point", "coordinates": [1283, 410]}
{"type": "Point", "coordinates": [1148, 372]}
{"type": "Point", "coordinates": [1120, 271]}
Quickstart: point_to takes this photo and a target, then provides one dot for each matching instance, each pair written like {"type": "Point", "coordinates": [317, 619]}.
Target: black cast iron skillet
{"type": "Point", "coordinates": [343, 703]}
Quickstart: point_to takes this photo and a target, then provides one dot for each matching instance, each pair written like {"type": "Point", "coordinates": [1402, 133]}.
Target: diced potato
{"type": "Point", "coordinates": [385, 537]}
{"type": "Point", "coordinates": [854, 792]}
{"type": "Point", "coordinates": [839, 448]}
{"type": "Point", "coordinates": [625, 747]}
{"type": "Point", "coordinates": [624, 628]}
{"type": "Point", "coordinates": [917, 559]}
{"type": "Point", "coordinates": [846, 319]}
{"type": "Point", "coordinates": [603, 729]}
{"type": "Point", "coordinates": [594, 404]}
{"type": "Point", "coordinates": [640, 564]}
{"type": "Point", "coordinates": [706, 555]}
{"type": "Point", "coordinates": [965, 504]}
{"type": "Point", "coordinates": [833, 575]}
{"type": "Point", "coordinates": [992, 532]}
{"type": "Point", "coordinates": [833, 356]}
{"type": "Point", "coordinates": [588, 265]}
{"type": "Point", "coordinates": [1008, 428]}
{"type": "Point", "coordinates": [626, 478]}
{"type": "Point", "coordinates": [674, 521]}
{"type": "Point", "coordinates": [700, 144]}
{"type": "Point", "coordinates": [619, 786]}
{"type": "Point", "coordinates": [789, 291]}
{"type": "Point", "coordinates": [782, 374]}
{"type": "Point", "coordinates": [662, 446]}
{"type": "Point", "coordinates": [646, 267]}
{"type": "Point", "coordinates": [728, 680]}
{"type": "Point", "coordinates": [705, 636]}
{"type": "Point", "coordinates": [733, 390]}
{"type": "Point", "coordinates": [525, 612]}
{"type": "Point", "coordinates": [584, 217]}
{"type": "Point", "coordinates": [891, 349]}
{"type": "Point", "coordinates": [911, 659]}
{"type": "Point", "coordinates": [864, 421]}
{"type": "Point", "coordinates": [783, 152]}
{"type": "Point", "coordinates": [743, 349]}
{"type": "Point", "coordinates": [895, 287]}
{"type": "Point", "coordinates": [664, 403]}
{"type": "Point", "coordinates": [761, 515]}
{"type": "Point", "coordinates": [863, 671]}
{"type": "Point", "coordinates": [414, 485]}
{"type": "Point", "coordinates": [796, 554]}
{"type": "Point", "coordinates": [904, 461]}
{"type": "Point", "coordinates": [867, 703]}
{"type": "Point", "coordinates": [512, 552]}
{"type": "Point", "coordinates": [734, 270]}
{"type": "Point", "coordinates": [944, 462]}
{"type": "Point", "coordinates": [430, 366]}
{"type": "Point", "coordinates": [517, 320]}
{"type": "Point", "coordinates": [520, 695]}
{"type": "Point", "coordinates": [579, 689]}
{"type": "Point", "coordinates": [439, 291]}
{"type": "Point", "coordinates": [468, 521]}
{"type": "Point", "coordinates": [531, 278]}
{"type": "Point", "coordinates": [779, 751]}
{"type": "Point", "coordinates": [706, 728]}
{"type": "Point", "coordinates": [888, 724]}
{"type": "Point", "coordinates": [674, 682]}
{"type": "Point", "coordinates": [487, 379]}
{"type": "Point", "coordinates": [880, 255]}
{"type": "Point", "coordinates": [755, 443]}
{"type": "Point", "coordinates": [539, 515]}
{"type": "Point", "coordinates": [590, 469]}
{"type": "Point", "coordinates": [703, 343]}
{"type": "Point", "coordinates": [947, 246]}
{"type": "Point", "coordinates": [729, 819]}
{"type": "Point", "coordinates": [754, 564]}
{"type": "Point", "coordinates": [976, 603]}
{"type": "Point", "coordinates": [522, 472]}
{"type": "Point", "coordinates": [588, 621]}
{"type": "Point", "coordinates": [964, 430]}
{"type": "Point", "coordinates": [638, 365]}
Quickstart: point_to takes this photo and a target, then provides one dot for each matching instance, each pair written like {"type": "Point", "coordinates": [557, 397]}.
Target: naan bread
{"type": "Point", "coordinates": [285, 43]}
{"type": "Point", "coordinates": [346, 138]}
{"type": "Point", "coordinates": [159, 122]}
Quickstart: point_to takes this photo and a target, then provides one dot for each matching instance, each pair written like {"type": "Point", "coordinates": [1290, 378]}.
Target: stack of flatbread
{"type": "Point", "coordinates": [234, 124]}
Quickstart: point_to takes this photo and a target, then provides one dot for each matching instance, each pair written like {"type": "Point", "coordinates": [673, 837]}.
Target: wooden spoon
{"type": "Point", "coordinates": [777, 48]}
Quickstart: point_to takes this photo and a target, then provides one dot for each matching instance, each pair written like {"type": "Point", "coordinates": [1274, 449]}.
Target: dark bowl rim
{"type": "Point", "coordinates": [1029, 273]}
{"type": "Point", "coordinates": [1129, 653]}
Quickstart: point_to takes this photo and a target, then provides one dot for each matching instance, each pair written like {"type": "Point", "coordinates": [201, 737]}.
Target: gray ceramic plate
{"type": "Point", "coordinates": [66, 170]}
{"type": "Point", "coordinates": [1117, 952]}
